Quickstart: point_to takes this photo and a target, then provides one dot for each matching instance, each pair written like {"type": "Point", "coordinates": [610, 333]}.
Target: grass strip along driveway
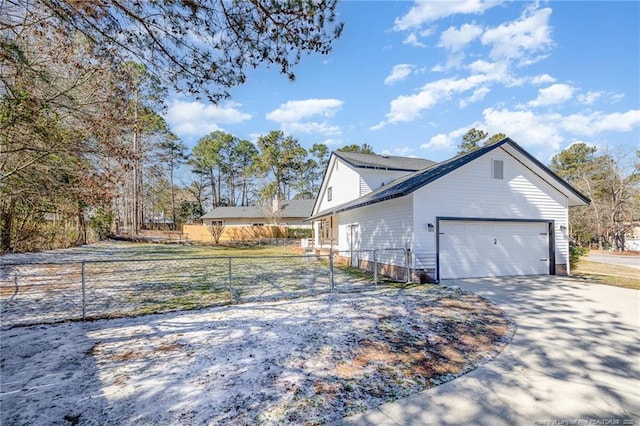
{"type": "Point", "coordinates": [604, 273]}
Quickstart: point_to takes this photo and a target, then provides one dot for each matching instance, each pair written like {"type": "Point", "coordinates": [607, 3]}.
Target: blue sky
{"type": "Point", "coordinates": [411, 78]}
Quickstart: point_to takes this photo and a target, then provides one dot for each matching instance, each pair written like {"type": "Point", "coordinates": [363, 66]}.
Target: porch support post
{"type": "Point", "coordinates": [316, 233]}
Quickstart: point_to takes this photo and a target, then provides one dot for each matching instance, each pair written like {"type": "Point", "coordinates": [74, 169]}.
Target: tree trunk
{"type": "Point", "coordinates": [6, 222]}
{"type": "Point", "coordinates": [219, 188]}
{"type": "Point", "coordinates": [173, 199]}
{"type": "Point", "coordinates": [244, 201]}
{"type": "Point", "coordinates": [137, 172]}
{"type": "Point", "coordinates": [82, 226]}
{"type": "Point", "coordinates": [212, 182]}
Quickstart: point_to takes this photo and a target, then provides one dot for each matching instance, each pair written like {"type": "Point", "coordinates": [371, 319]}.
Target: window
{"type": "Point", "coordinates": [498, 169]}
{"type": "Point", "coordinates": [257, 224]}
{"type": "Point", "coordinates": [324, 229]}
{"type": "Point", "coordinates": [329, 193]}
{"type": "Point", "coordinates": [217, 223]}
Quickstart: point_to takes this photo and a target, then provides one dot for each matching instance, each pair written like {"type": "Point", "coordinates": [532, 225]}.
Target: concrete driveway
{"type": "Point", "coordinates": [574, 360]}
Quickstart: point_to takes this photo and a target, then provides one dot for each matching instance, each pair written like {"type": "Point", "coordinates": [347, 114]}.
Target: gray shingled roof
{"type": "Point", "coordinates": [405, 185]}
{"type": "Point", "coordinates": [289, 208]}
{"type": "Point", "coordinates": [386, 162]}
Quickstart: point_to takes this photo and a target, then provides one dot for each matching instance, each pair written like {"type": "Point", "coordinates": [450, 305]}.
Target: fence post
{"type": "Point", "coordinates": [406, 265]}
{"type": "Point", "coordinates": [230, 278]}
{"type": "Point", "coordinates": [331, 275]}
{"type": "Point", "coordinates": [375, 266]}
{"type": "Point", "coordinates": [84, 293]}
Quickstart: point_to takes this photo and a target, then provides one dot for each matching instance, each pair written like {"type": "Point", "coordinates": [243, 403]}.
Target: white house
{"type": "Point", "coordinates": [496, 211]}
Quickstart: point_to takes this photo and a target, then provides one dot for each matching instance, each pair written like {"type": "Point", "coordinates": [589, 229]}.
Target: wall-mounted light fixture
{"type": "Point", "coordinates": [430, 227]}
{"type": "Point", "coordinates": [563, 228]}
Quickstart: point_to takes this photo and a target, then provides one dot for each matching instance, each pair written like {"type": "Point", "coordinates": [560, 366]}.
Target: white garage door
{"type": "Point", "coordinates": [493, 249]}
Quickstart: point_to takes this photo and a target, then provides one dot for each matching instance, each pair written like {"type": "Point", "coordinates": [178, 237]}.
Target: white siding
{"type": "Point", "coordinates": [382, 225]}
{"type": "Point", "coordinates": [344, 182]}
{"type": "Point", "coordinates": [364, 186]}
{"type": "Point", "coordinates": [372, 179]}
{"type": "Point", "coordinates": [471, 192]}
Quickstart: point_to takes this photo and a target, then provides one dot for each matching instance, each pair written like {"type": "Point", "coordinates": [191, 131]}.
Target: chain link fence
{"type": "Point", "coordinates": [48, 292]}
{"type": "Point", "coordinates": [390, 262]}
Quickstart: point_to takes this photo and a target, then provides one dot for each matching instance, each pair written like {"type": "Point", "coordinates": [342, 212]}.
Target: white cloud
{"type": "Point", "coordinates": [616, 98]}
{"type": "Point", "coordinates": [530, 34]}
{"type": "Point", "coordinates": [424, 12]}
{"type": "Point", "coordinates": [427, 32]}
{"type": "Point", "coordinates": [546, 132]}
{"type": "Point", "coordinates": [477, 96]}
{"type": "Point", "coordinates": [298, 110]}
{"type": "Point", "coordinates": [525, 127]}
{"type": "Point", "coordinates": [598, 122]}
{"type": "Point", "coordinates": [412, 39]}
{"type": "Point", "coordinates": [198, 119]}
{"type": "Point", "coordinates": [554, 94]}
{"type": "Point", "coordinates": [590, 97]}
{"type": "Point", "coordinates": [483, 67]}
{"type": "Point", "coordinates": [551, 129]}
{"type": "Point", "coordinates": [439, 141]}
{"type": "Point", "coordinates": [294, 116]}
{"type": "Point", "coordinates": [455, 39]}
{"type": "Point", "coordinates": [310, 127]}
{"type": "Point", "coordinates": [446, 141]}
{"type": "Point", "coordinates": [398, 73]}
{"type": "Point", "coordinates": [454, 60]}
{"type": "Point", "coordinates": [331, 141]}
{"type": "Point", "coordinates": [542, 79]}
{"type": "Point", "coordinates": [531, 60]}
{"type": "Point", "coordinates": [494, 71]}
{"type": "Point", "coordinates": [408, 107]}
{"type": "Point", "coordinates": [378, 126]}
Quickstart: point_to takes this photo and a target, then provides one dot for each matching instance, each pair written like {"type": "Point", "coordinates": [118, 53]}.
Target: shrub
{"type": "Point", "coordinates": [299, 233]}
{"type": "Point", "coordinates": [575, 252]}
{"type": "Point", "coordinates": [101, 222]}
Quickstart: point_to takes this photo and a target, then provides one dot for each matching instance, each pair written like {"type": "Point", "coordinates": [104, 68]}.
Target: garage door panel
{"type": "Point", "coordinates": [484, 249]}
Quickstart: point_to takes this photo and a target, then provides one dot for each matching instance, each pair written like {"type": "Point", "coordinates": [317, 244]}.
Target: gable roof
{"type": "Point", "coordinates": [405, 185]}
{"type": "Point", "coordinates": [288, 208]}
{"type": "Point", "coordinates": [383, 162]}
{"type": "Point", "coordinates": [373, 162]}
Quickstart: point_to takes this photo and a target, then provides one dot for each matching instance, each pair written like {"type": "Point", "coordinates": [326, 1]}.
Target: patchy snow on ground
{"type": "Point", "coordinates": [305, 361]}
{"type": "Point", "coordinates": [124, 279]}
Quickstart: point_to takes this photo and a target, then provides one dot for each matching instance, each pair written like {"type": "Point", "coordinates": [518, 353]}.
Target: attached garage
{"type": "Point", "coordinates": [496, 211]}
{"type": "Point", "coordinates": [490, 248]}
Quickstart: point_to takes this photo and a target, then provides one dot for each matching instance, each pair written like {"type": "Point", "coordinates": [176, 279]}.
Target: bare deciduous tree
{"type": "Point", "coordinates": [216, 229]}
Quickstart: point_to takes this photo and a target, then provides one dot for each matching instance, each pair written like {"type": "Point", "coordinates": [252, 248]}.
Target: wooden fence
{"type": "Point", "coordinates": [235, 233]}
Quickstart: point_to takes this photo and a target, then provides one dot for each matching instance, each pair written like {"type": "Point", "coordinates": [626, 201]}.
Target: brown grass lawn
{"type": "Point", "coordinates": [603, 273]}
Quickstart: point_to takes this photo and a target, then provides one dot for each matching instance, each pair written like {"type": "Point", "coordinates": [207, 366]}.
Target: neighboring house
{"type": "Point", "coordinates": [158, 222]}
{"type": "Point", "coordinates": [496, 211]}
{"type": "Point", "coordinates": [290, 213]}
{"type": "Point", "coordinates": [632, 239]}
